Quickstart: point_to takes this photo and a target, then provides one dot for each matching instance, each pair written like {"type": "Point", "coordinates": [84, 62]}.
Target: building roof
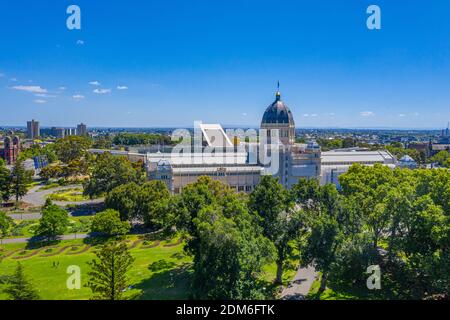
{"type": "Point", "coordinates": [366, 157]}
{"type": "Point", "coordinates": [215, 136]}
{"type": "Point", "coordinates": [278, 113]}
{"type": "Point", "coordinates": [407, 158]}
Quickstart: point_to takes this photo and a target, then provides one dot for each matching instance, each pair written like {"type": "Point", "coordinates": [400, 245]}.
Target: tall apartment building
{"type": "Point", "coordinates": [33, 129]}
{"type": "Point", "coordinates": [81, 129]}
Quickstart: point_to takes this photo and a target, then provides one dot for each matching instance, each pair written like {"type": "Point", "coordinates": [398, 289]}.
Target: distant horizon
{"type": "Point", "coordinates": [231, 126]}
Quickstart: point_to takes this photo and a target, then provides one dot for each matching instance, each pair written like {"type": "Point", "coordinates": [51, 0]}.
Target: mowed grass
{"type": "Point", "coordinates": [68, 195]}
{"type": "Point", "coordinates": [161, 272]}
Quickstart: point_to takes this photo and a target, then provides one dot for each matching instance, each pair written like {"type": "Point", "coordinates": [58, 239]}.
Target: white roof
{"type": "Point", "coordinates": [215, 136]}
{"type": "Point", "coordinates": [335, 157]}
{"type": "Point", "coordinates": [407, 158]}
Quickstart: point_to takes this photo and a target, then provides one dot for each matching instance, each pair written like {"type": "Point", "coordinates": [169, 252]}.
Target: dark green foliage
{"type": "Point", "coordinates": [108, 276]}
{"type": "Point", "coordinates": [108, 222]}
{"type": "Point", "coordinates": [20, 179]}
{"type": "Point", "coordinates": [18, 286]}
{"type": "Point", "coordinates": [53, 223]}
{"type": "Point", "coordinates": [109, 172]}
{"type": "Point", "coordinates": [130, 139]}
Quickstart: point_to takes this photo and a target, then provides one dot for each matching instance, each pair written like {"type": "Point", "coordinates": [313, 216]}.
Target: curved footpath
{"type": "Point", "coordinates": [301, 284]}
{"type": "Point", "coordinates": [64, 237]}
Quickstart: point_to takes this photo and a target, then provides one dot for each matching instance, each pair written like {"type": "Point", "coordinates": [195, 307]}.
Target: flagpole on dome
{"type": "Point", "coordinates": [278, 94]}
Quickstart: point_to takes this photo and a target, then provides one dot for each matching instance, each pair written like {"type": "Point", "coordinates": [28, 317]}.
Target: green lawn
{"type": "Point", "coordinates": [68, 195]}
{"type": "Point", "coordinates": [159, 272]}
{"type": "Point", "coordinates": [336, 292]}
{"type": "Point", "coordinates": [26, 228]}
{"type": "Point", "coordinates": [161, 269]}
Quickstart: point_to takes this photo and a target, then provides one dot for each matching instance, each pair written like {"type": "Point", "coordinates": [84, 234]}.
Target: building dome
{"type": "Point", "coordinates": [278, 113]}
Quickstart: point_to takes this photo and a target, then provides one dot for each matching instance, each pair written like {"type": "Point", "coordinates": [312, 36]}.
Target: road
{"type": "Point", "coordinates": [301, 284]}
{"type": "Point", "coordinates": [64, 237]}
{"type": "Point", "coordinates": [37, 197]}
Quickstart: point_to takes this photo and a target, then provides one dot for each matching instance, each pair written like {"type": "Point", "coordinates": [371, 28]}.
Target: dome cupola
{"type": "Point", "coordinates": [278, 113]}
{"type": "Point", "coordinates": [279, 118]}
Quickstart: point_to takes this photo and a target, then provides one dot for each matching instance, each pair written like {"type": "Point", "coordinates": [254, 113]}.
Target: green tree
{"type": "Point", "coordinates": [108, 173]}
{"type": "Point", "coordinates": [124, 199]}
{"type": "Point", "coordinates": [5, 225]}
{"type": "Point", "coordinates": [18, 287]}
{"type": "Point", "coordinates": [36, 150]}
{"type": "Point", "coordinates": [20, 179]}
{"type": "Point", "coordinates": [5, 182]}
{"type": "Point", "coordinates": [53, 223]}
{"type": "Point", "coordinates": [442, 157]}
{"type": "Point", "coordinates": [108, 276]}
{"type": "Point", "coordinates": [153, 203]}
{"type": "Point", "coordinates": [51, 172]}
{"type": "Point", "coordinates": [72, 148]}
{"type": "Point", "coordinates": [276, 217]}
{"type": "Point", "coordinates": [108, 222]}
{"type": "Point", "coordinates": [229, 256]}
{"type": "Point", "coordinates": [325, 222]}
{"type": "Point", "coordinates": [103, 142]}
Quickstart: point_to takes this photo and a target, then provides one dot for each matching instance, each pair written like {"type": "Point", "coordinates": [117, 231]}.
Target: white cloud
{"type": "Point", "coordinates": [367, 114]}
{"type": "Point", "coordinates": [401, 115]}
{"type": "Point", "coordinates": [314, 115]}
{"type": "Point", "coordinates": [102, 91]}
{"type": "Point", "coordinates": [44, 95]}
{"type": "Point", "coordinates": [40, 101]}
{"type": "Point", "coordinates": [80, 42]}
{"type": "Point", "coordinates": [32, 89]}
{"type": "Point", "coordinates": [122, 88]}
{"type": "Point", "coordinates": [62, 88]}
{"type": "Point", "coordinates": [78, 97]}
{"type": "Point", "coordinates": [306, 115]}
{"type": "Point", "coordinates": [2, 75]}
{"type": "Point", "coordinates": [94, 83]}
{"type": "Point", "coordinates": [13, 79]}
{"type": "Point", "coordinates": [244, 114]}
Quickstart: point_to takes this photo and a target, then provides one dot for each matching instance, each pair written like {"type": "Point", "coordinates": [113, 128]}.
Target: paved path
{"type": "Point", "coordinates": [300, 285]}
{"type": "Point", "coordinates": [64, 237]}
{"type": "Point", "coordinates": [37, 197]}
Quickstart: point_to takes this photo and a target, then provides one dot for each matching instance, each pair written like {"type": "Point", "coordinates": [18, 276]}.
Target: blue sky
{"type": "Point", "coordinates": [219, 61]}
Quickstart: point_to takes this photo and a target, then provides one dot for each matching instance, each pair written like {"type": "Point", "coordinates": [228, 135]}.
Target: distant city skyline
{"type": "Point", "coordinates": [159, 64]}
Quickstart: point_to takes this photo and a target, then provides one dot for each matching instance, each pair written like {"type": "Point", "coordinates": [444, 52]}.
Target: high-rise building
{"type": "Point", "coordinates": [33, 130]}
{"type": "Point", "coordinates": [81, 129]}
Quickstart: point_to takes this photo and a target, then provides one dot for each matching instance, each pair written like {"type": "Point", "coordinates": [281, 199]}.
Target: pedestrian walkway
{"type": "Point", "coordinates": [64, 237]}
{"type": "Point", "coordinates": [301, 284]}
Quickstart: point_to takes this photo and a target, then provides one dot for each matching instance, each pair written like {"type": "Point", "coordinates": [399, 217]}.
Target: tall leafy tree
{"type": "Point", "coordinates": [124, 199]}
{"type": "Point", "coordinates": [225, 240]}
{"type": "Point", "coordinates": [153, 202]}
{"type": "Point", "coordinates": [53, 223]}
{"type": "Point", "coordinates": [108, 222]}
{"type": "Point", "coordinates": [20, 179]}
{"type": "Point", "coordinates": [110, 172]}
{"type": "Point", "coordinates": [18, 287]}
{"type": "Point", "coordinates": [228, 257]}
{"type": "Point", "coordinates": [108, 276]}
{"type": "Point", "coordinates": [72, 148]}
{"type": "Point", "coordinates": [5, 182]}
{"type": "Point", "coordinates": [326, 224]}
{"type": "Point", "coordinates": [5, 225]}
{"type": "Point", "coordinates": [276, 217]}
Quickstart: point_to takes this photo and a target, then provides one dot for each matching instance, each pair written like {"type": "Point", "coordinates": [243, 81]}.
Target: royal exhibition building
{"type": "Point", "coordinates": [240, 159]}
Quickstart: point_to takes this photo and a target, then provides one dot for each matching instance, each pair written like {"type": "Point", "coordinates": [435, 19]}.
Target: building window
{"type": "Point", "coordinates": [248, 188]}
{"type": "Point", "coordinates": [241, 188]}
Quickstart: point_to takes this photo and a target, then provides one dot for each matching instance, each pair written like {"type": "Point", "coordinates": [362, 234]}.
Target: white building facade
{"type": "Point", "coordinates": [233, 161]}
